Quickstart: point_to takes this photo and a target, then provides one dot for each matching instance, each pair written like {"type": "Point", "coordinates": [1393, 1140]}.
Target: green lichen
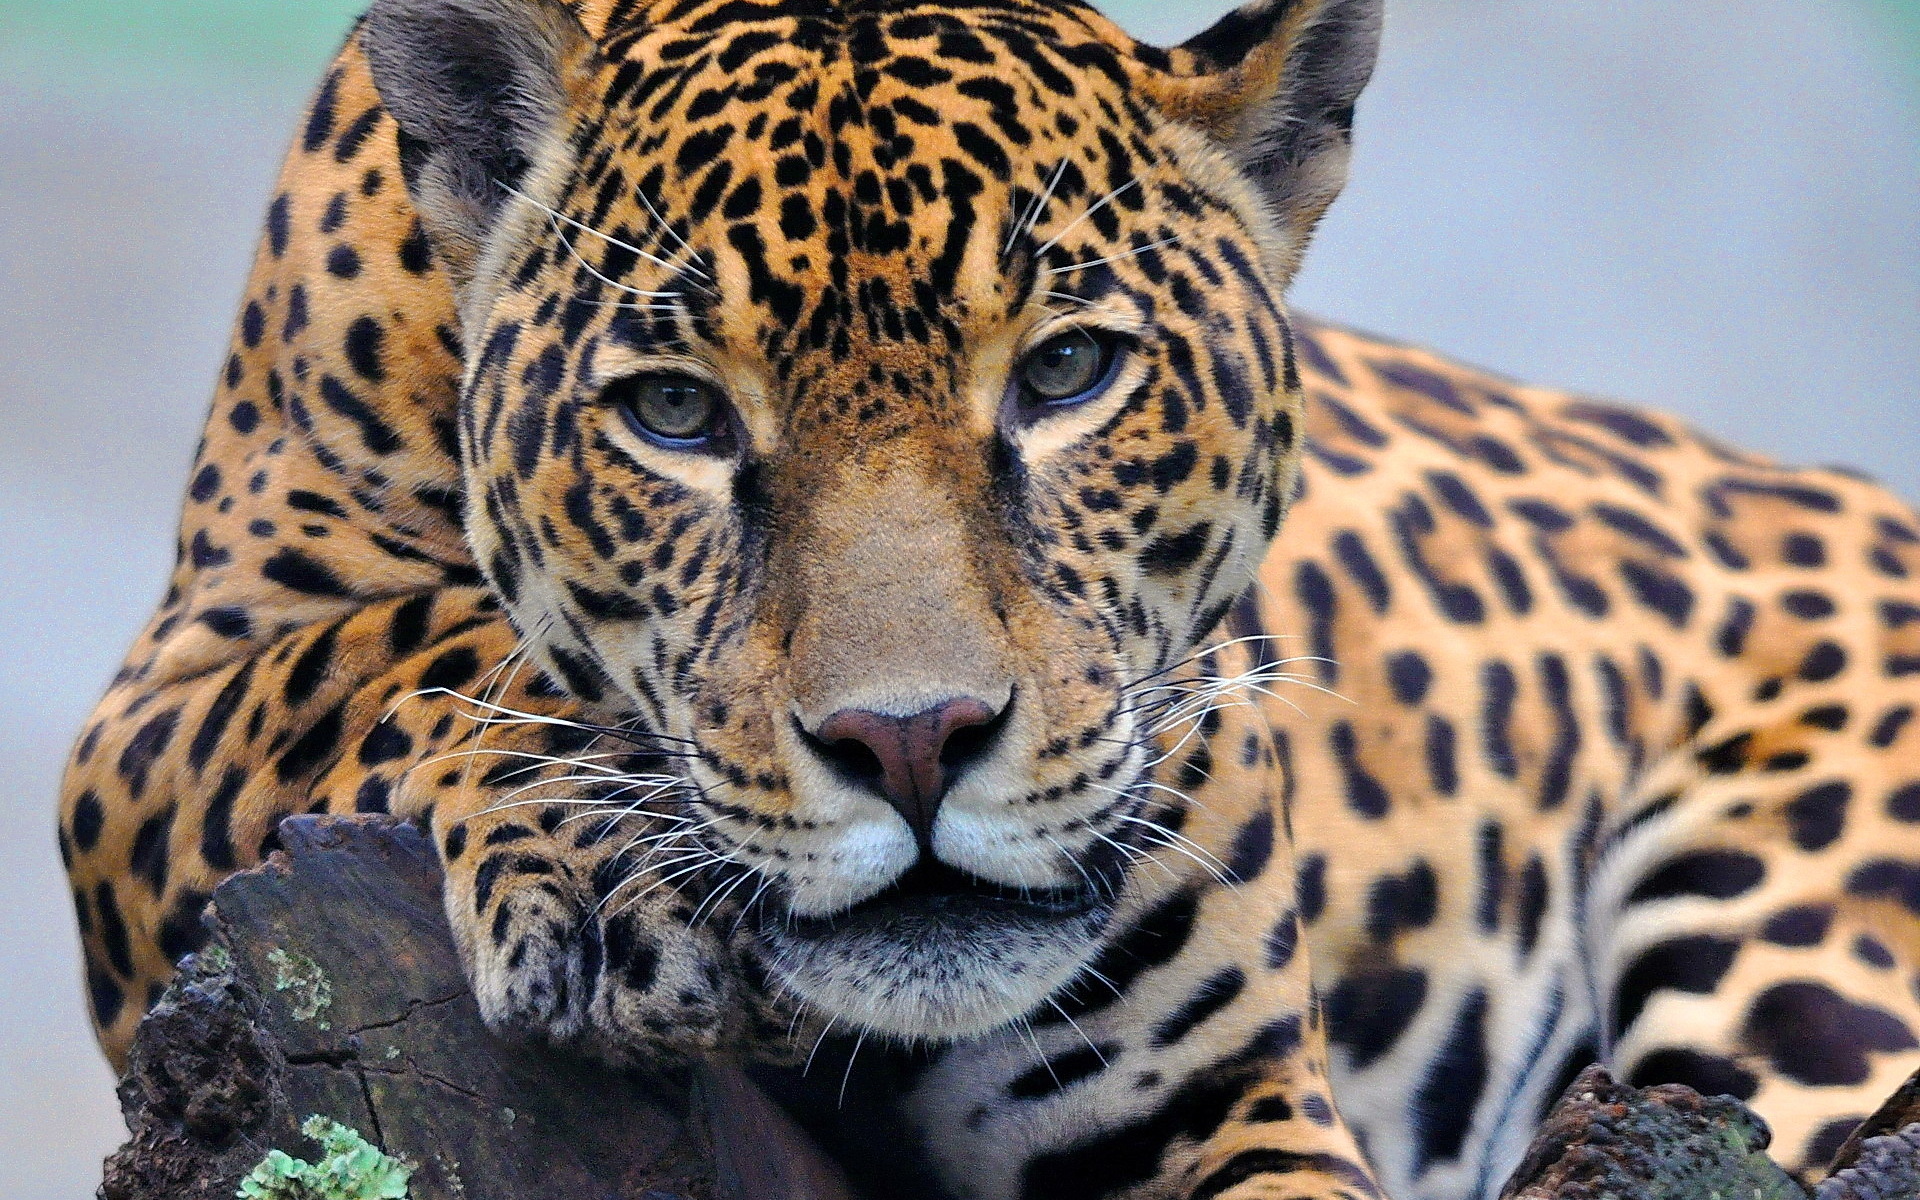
{"type": "Point", "coordinates": [308, 992]}
{"type": "Point", "coordinates": [352, 1169]}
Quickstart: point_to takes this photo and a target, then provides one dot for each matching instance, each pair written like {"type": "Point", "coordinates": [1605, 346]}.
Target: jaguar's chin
{"type": "Point", "coordinates": [940, 955]}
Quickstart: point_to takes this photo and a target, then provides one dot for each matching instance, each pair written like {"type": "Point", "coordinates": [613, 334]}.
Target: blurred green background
{"type": "Point", "coordinates": [1710, 205]}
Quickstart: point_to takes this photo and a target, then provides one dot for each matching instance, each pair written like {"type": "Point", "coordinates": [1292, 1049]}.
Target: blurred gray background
{"type": "Point", "coordinates": [1708, 205]}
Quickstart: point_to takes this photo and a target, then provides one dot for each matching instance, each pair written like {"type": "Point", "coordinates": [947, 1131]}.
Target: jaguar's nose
{"type": "Point", "coordinates": [911, 760]}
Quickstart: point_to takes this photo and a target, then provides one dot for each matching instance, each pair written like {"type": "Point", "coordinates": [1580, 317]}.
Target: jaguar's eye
{"type": "Point", "coordinates": [675, 411]}
{"type": "Point", "coordinates": [1067, 369]}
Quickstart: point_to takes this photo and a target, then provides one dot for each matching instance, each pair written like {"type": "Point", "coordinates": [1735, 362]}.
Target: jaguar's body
{"type": "Point", "coordinates": [786, 646]}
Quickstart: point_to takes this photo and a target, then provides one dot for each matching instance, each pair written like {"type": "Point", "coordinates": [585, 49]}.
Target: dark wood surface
{"type": "Point", "coordinates": [331, 987]}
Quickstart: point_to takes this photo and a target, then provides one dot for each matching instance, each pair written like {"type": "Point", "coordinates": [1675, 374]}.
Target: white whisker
{"type": "Point", "coordinates": [1111, 258]}
{"type": "Point", "coordinates": [556, 215]}
{"type": "Point", "coordinates": [1099, 204]}
{"type": "Point", "coordinates": [1034, 210]}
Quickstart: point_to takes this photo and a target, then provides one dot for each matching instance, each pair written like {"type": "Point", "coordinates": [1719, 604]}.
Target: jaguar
{"type": "Point", "coordinates": [822, 509]}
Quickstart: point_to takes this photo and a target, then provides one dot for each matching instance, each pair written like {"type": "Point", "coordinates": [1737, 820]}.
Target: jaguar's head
{"type": "Point", "coordinates": [863, 398]}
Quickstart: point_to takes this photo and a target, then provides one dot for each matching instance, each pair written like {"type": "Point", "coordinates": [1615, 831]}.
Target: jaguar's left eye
{"type": "Point", "coordinates": [1067, 369]}
{"type": "Point", "coordinates": [678, 412]}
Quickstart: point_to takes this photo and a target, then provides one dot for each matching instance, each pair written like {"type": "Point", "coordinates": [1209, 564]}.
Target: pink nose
{"type": "Point", "coordinates": [908, 759]}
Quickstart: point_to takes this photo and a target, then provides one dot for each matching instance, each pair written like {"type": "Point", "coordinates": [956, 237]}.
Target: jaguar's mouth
{"type": "Point", "coordinates": [933, 894]}
{"type": "Point", "coordinates": [940, 953]}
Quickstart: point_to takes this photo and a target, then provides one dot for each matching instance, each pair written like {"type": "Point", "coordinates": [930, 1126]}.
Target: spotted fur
{"type": "Point", "coordinates": [1309, 865]}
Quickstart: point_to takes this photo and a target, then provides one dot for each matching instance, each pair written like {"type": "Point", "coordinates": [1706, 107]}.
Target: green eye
{"type": "Point", "coordinates": [1067, 369]}
{"type": "Point", "coordinates": [675, 411]}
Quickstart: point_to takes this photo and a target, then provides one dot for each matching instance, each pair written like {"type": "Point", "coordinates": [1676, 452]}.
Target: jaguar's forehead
{"type": "Point", "coordinates": [882, 152]}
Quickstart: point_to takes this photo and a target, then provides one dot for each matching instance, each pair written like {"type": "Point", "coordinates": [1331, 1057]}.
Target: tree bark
{"type": "Point", "coordinates": [331, 987]}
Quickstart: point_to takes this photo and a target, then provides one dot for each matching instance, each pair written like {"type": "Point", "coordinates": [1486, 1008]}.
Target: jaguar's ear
{"type": "Point", "coordinates": [480, 90]}
{"type": "Point", "coordinates": [1275, 82]}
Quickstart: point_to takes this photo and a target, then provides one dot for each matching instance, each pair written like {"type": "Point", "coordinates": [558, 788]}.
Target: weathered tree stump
{"type": "Point", "coordinates": [331, 988]}
{"type": "Point", "coordinates": [1607, 1141]}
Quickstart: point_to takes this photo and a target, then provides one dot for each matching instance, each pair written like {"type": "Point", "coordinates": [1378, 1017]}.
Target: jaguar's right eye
{"type": "Point", "coordinates": [676, 412]}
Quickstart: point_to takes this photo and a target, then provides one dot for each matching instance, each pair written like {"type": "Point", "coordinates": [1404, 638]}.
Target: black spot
{"type": "Point", "coordinates": [344, 262]}
{"type": "Point", "coordinates": [206, 484]}
{"type": "Point", "coordinates": [309, 671]}
{"type": "Point", "coordinates": [1805, 925]}
{"type": "Point", "coordinates": [365, 347]}
{"type": "Point", "coordinates": [1062, 1071]}
{"type": "Point", "coordinates": [384, 743]}
{"type": "Point", "coordinates": [1873, 952]}
{"type": "Point", "coordinates": [299, 572]}
{"type": "Point", "coordinates": [1826, 1141]}
{"type": "Point", "coordinates": [416, 252]}
{"type": "Point", "coordinates": [87, 821]}
{"type": "Point", "coordinates": [1442, 755]}
{"type": "Point", "coordinates": [375, 434]}
{"type": "Point", "coordinates": [1493, 876]}
{"type": "Point", "coordinates": [1215, 994]}
{"type": "Point", "coordinates": [1535, 896]}
{"type": "Point", "coordinates": [1410, 677]}
{"type": "Point", "coordinates": [320, 116]}
{"type": "Point", "coordinates": [1399, 902]}
{"type": "Point", "coordinates": [1252, 848]}
{"type": "Point", "coordinates": [1448, 1097]}
{"type": "Point", "coordinates": [1888, 730]}
{"type": "Point", "coordinates": [1813, 1035]}
{"type": "Point", "coordinates": [1716, 874]}
{"type": "Point", "coordinates": [1708, 1074]}
{"type": "Point", "coordinates": [151, 854]}
{"type": "Point", "coordinates": [1362, 569]}
{"type": "Point", "coordinates": [1830, 717]}
{"type": "Point", "coordinates": [1310, 887]}
{"type": "Point", "coordinates": [1283, 940]}
{"type": "Point", "coordinates": [1732, 638]}
{"type": "Point", "coordinates": [1369, 1010]}
{"type": "Point", "coordinates": [1903, 803]}
{"type": "Point", "coordinates": [1622, 423]}
{"type": "Point", "coordinates": [1803, 550]}
{"type": "Point", "coordinates": [451, 670]}
{"type": "Point", "coordinates": [1174, 554]}
{"type": "Point", "coordinates": [1688, 964]}
{"type": "Point", "coordinates": [113, 929]}
{"type": "Point", "coordinates": [1498, 687]}
{"type": "Point", "coordinates": [216, 822]}
{"type": "Point", "coordinates": [106, 997]}
{"type": "Point", "coordinates": [313, 749]}
{"type": "Point", "coordinates": [1660, 591]}
{"type": "Point", "coordinates": [1808, 606]}
{"type": "Point", "coordinates": [253, 324]}
{"type": "Point", "coordinates": [1888, 879]}
{"type": "Point", "coordinates": [279, 224]}
{"type": "Point", "coordinates": [146, 746]}
{"type": "Point", "coordinates": [184, 929]}
{"type": "Point", "coordinates": [1818, 815]}
{"type": "Point", "coordinates": [1365, 794]}
{"type": "Point", "coordinates": [1823, 662]}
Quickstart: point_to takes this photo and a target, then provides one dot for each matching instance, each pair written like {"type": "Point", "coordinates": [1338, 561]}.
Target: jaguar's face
{"type": "Point", "coordinates": [864, 404]}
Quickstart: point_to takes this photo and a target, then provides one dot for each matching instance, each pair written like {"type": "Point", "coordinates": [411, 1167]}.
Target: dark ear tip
{"type": "Point", "coordinates": [1246, 29]}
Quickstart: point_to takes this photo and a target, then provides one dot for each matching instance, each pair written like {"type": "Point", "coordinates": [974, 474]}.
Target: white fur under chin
{"type": "Point", "coordinates": [934, 988]}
